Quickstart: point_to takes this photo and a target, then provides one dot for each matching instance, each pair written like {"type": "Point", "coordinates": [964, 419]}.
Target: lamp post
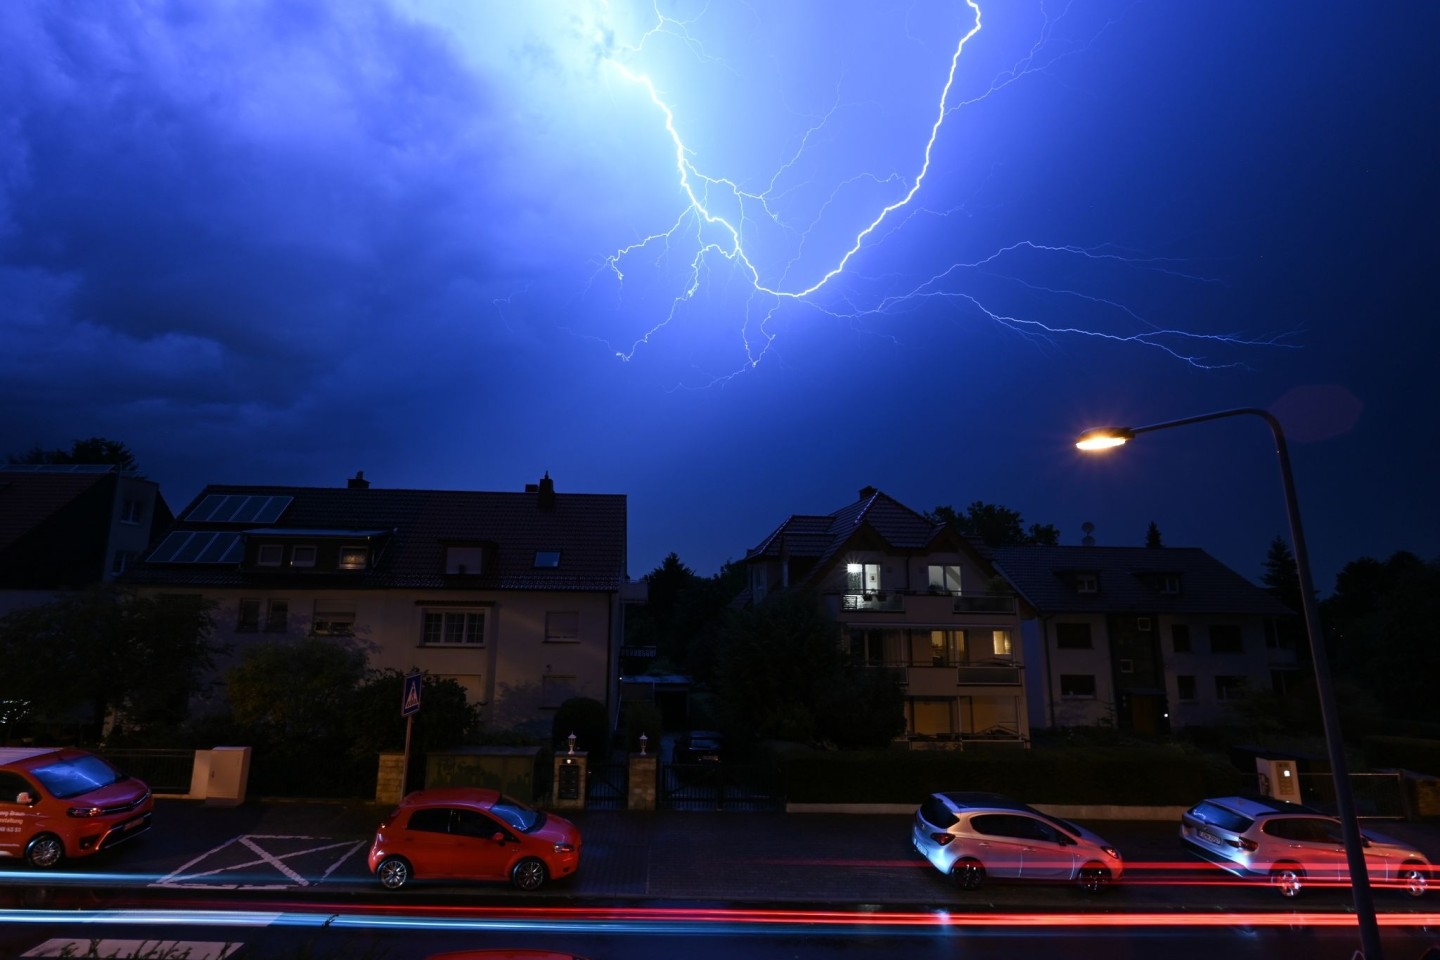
{"type": "Point", "coordinates": [1106, 437]}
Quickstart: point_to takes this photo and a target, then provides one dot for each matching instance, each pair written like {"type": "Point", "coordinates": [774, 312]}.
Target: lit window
{"type": "Point", "coordinates": [862, 578]}
{"type": "Point", "coordinates": [1000, 642]}
{"type": "Point", "coordinates": [302, 557]}
{"type": "Point", "coordinates": [354, 558]}
{"type": "Point", "coordinates": [547, 559]}
{"type": "Point", "coordinates": [453, 628]}
{"type": "Point", "coordinates": [270, 555]}
{"type": "Point", "coordinates": [947, 647]}
{"type": "Point", "coordinates": [563, 627]}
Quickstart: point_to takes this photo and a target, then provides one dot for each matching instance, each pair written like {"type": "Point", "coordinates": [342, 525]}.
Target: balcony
{"type": "Point", "coordinates": [984, 603]}
{"type": "Point", "coordinates": [990, 673]}
{"type": "Point", "coordinates": [882, 601]}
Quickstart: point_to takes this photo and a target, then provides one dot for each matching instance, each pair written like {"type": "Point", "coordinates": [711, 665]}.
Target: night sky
{"type": "Point", "coordinates": [450, 244]}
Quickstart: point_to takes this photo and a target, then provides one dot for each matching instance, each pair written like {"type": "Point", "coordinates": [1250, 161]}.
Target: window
{"type": "Point", "coordinates": [1180, 637]}
{"type": "Point", "coordinates": [1229, 688]}
{"type": "Point", "coordinates": [1000, 642]}
{"type": "Point", "coordinates": [547, 559]}
{"type": "Point", "coordinates": [333, 618]}
{"type": "Point", "coordinates": [121, 561]}
{"type": "Point", "coordinates": [354, 558]}
{"type": "Point", "coordinates": [1087, 583]}
{"type": "Point", "coordinates": [562, 627]}
{"type": "Point", "coordinates": [247, 619]}
{"type": "Point", "coordinates": [862, 578]}
{"type": "Point", "coordinates": [947, 647]}
{"type": "Point", "coordinates": [945, 579]}
{"type": "Point", "coordinates": [453, 628]}
{"type": "Point", "coordinates": [1077, 685]}
{"type": "Point", "coordinates": [555, 689]}
{"type": "Point", "coordinates": [302, 556]}
{"type": "Point", "coordinates": [269, 555]}
{"type": "Point", "coordinates": [1225, 638]}
{"type": "Point", "coordinates": [1127, 666]}
{"type": "Point", "coordinates": [464, 561]}
{"type": "Point", "coordinates": [877, 648]}
{"type": "Point", "coordinates": [1073, 636]}
{"type": "Point", "coordinates": [132, 511]}
{"type": "Point", "coordinates": [1170, 583]}
{"type": "Point", "coordinates": [277, 616]}
{"type": "Point", "coordinates": [1185, 687]}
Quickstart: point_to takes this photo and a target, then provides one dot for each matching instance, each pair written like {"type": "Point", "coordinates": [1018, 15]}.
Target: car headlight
{"type": "Point", "coordinates": [1111, 852]}
{"type": "Point", "coordinates": [564, 848]}
{"type": "Point", "coordinates": [85, 812]}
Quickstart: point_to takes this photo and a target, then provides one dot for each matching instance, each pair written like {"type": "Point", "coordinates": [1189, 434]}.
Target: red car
{"type": "Point", "coordinates": [58, 802]}
{"type": "Point", "coordinates": [471, 833]}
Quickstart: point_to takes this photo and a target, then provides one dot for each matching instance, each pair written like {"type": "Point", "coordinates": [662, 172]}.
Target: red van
{"type": "Point", "coordinates": [58, 802]}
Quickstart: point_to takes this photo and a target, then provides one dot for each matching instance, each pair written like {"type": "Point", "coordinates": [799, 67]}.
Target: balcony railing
{"type": "Point", "coordinates": [893, 601]}
{"type": "Point", "coordinates": [888, 601]}
{"type": "Point", "coordinates": [984, 603]}
{"type": "Point", "coordinates": [991, 674]}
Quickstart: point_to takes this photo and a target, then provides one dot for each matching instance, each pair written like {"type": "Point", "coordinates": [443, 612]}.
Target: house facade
{"type": "Point", "coordinates": [910, 595]}
{"type": "Point", "coordinates": [71, 526]}
{"type": "Point", "coordinates": [518, 597]}
{"type": "Point", "coordinates": [1148, 639]}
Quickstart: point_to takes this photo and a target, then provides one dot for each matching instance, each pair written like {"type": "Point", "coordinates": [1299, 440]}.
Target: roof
{"type": "Point", "coordinates": [29, 497]}
{"type": "Point", "coordinates": [875, 514]}
{"type": "Point", "coordinates": [415, 527]}
{"type": "Point", "coordinates": [1044, 576]}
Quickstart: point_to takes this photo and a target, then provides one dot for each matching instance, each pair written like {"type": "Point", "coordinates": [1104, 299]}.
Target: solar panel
{"type": "Point", "coordinates": [239, 508]}
{"type": "Point", "coordinates": [205, 507]}
{"type": "Point", "coordinates": [272, 508]}
{"type": "Point", "coordinates": [170, 546]}
{"type": "Point", "coordinates": [200, 546]}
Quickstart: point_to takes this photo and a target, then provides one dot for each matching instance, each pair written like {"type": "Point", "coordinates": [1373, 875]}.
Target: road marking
{"type": "Point", "coordinates": [157, 949]}
{"type": "Point", "coordinates": [262, 850]}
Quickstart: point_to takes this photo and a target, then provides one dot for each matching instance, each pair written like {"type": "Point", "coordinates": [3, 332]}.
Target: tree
{"type": "Point", "coordinates": [680, 615]}
{"type": "Point", "coordinates": [996, 525]}
{"type": "Point", "coordinates": [92, 450]}
{"type": "Point", "coordinates": [1152, 536]}
{"type": "Point", "coordinates": [117, 659]}
{"type": "Point", "coordinates": [1281, 577]}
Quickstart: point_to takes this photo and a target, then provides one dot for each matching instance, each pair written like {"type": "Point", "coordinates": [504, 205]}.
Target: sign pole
{"type": "Point", "coordinates": [409, 706]}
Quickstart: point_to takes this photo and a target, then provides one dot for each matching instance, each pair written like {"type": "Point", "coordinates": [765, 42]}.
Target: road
{"type": "Point", "coordinates": [287, 881]}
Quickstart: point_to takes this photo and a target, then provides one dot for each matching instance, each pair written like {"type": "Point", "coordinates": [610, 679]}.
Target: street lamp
{"type": "Point", "coordinates": [1104, 438]}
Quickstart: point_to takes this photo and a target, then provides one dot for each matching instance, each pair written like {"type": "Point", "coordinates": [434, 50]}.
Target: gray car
{"type": "Point", "coordinates": [972, 836]}
{"type": "Point", "coordinates": [1292, 846]}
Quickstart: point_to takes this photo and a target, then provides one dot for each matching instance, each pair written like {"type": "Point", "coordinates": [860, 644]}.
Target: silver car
{"type": "Point", "coordinates": [1293, 845]}
{"type": "Point", "coordinates": [971, 836]}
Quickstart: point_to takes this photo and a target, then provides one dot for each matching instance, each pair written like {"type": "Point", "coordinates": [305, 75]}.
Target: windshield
{"type": "Point", "coordinates": [71, 778]}
{"type": "Point", "coordinates": [517, 815]}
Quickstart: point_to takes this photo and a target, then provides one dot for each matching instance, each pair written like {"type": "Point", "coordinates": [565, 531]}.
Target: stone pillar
{"type": "Point", "coordinates": [644, 773]}
{"type": "Point", "coordinates": [390, 778]}
{"type": "Point", "coordinates": [567, 791]}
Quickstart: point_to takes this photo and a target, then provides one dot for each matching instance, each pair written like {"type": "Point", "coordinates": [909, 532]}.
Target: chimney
{"type": "Point", "coordinates": [546, 499]}
{"type": "Point", "coordinates": [358, 482]}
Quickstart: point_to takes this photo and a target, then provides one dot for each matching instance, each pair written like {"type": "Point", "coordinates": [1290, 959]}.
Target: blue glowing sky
{"type": "Point", "coordinates": [736, 259]}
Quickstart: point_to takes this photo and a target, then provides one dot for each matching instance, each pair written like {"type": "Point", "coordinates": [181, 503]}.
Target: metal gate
{"type": "Point", "coordinates": [607, 787]}
{"type": "Point", "coordinates": [720, 786]}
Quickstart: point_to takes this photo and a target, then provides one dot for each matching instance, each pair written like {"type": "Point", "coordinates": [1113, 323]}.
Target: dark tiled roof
{"type": "Point", "coordinates": [874, 516]}
{"type": "Point", "coordinates": [1127, 577]}
{"type": "Point", "coordinates": [28, 498]}
{"type": "Point", "coordinates": [588, 530]}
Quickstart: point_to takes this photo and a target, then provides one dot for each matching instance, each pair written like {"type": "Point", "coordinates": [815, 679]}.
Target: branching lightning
{"type": "Point", "coordinates": [720, 219]}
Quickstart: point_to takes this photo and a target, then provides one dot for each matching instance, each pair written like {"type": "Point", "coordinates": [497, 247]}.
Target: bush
{"type": "Point", "coordinates": [588, 719]}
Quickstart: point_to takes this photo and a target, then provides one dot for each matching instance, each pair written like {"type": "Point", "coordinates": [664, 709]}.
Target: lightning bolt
{"type": "Point", "coordinates": [719, 217]}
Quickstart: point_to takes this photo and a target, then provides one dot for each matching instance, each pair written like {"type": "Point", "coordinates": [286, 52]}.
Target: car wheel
{"type": "Point", "coordinates": [1094, 878]}
{"type": "Point", "coordinates": [1289, 879]}
{"type": "Point", "coordinates": [528, 874]}
{"type": "Point", "coordinates": [393, 873]}
{"type": "Point", "coordinates": [1413, 879]}
{"type": "Point", "coordinates": [969, 874]}
{"type": "Point", "coordinates": [45, 851]}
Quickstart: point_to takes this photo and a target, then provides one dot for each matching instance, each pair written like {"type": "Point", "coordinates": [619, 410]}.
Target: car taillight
{"type": "Point", "coordinates": [85, 812]}
{"type": "Point", "coordinates": [941, 838]}
{"type": "Point", "coordinates": [564, 848]}
{"type": "Point", "coordinates": [1246, 844]}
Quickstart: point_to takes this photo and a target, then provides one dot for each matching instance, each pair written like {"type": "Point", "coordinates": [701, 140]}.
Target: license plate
{"type": "Point", "coordinates": [1207, 836]}
{"type": "Point", "coordinates": [131, 824]}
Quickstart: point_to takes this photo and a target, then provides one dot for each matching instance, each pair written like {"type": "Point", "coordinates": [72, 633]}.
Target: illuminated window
{"type": "Point", "coordinates": [947, 647]}
{"type": "Point", "coordinates": [1000, 642]}
{"type": "Point", "coordinates": [862, 577]}
{"type": "Point", "coordinates": [354, 558]}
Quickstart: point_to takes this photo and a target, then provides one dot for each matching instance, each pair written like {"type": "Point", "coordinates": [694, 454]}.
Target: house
{"type": "Point", "coordinates": [518, 596]}
{"type": "Point", "coordinates": [70, 526]}
{"type": "Point", "coordinates": [1145, 638]}
{"type": "Point", "coordinates": [908, 594]}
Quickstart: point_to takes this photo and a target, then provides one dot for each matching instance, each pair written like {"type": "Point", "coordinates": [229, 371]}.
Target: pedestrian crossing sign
{"type": "Point", "coordinates": [410, 700]}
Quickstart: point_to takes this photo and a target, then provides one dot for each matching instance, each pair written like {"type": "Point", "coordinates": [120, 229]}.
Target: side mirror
{"type": "Point", "coordinates": [497, 837]}
{"type": "Point", "coordinates": [24, 798]}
